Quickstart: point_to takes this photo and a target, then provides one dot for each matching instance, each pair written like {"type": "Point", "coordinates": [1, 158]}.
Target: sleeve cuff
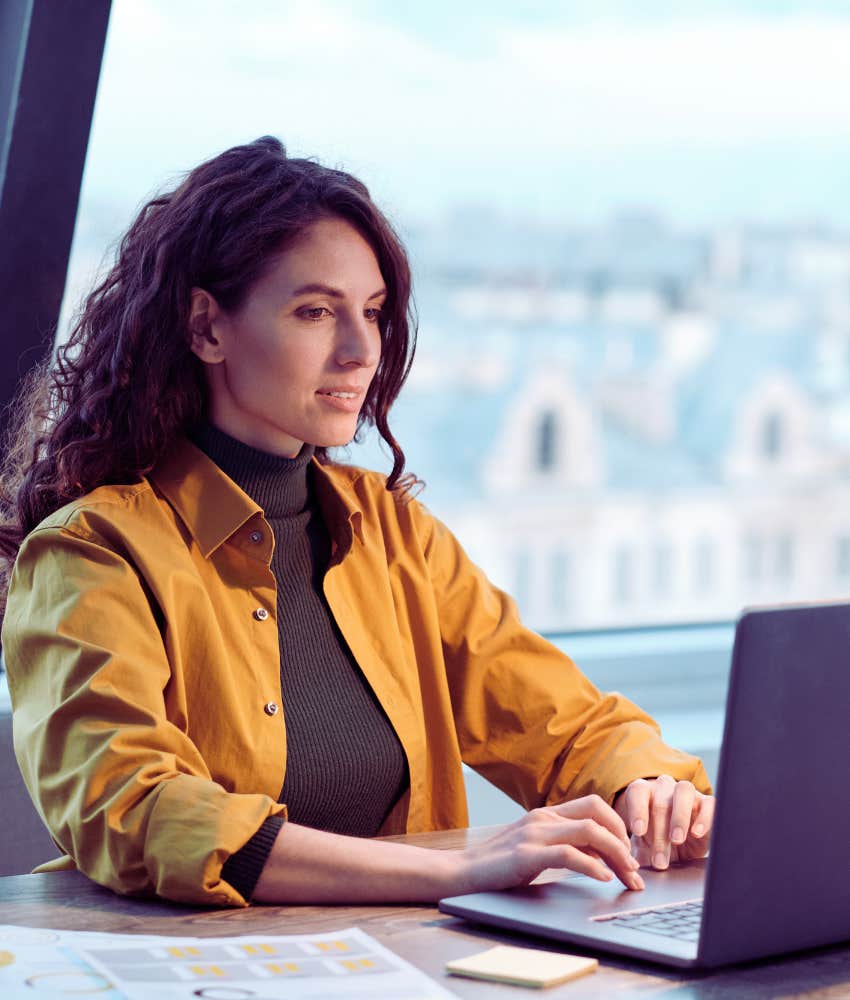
{"type": "Point", "coordinates": [242, 869]}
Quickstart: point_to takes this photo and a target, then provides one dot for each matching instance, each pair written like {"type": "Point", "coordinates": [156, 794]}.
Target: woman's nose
{"type": "Point", "coordinates": [359, 343]}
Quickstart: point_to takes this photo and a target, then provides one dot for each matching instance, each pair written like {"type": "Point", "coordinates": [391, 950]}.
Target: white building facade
{"type": "Point", "coordinates": [614, 453]}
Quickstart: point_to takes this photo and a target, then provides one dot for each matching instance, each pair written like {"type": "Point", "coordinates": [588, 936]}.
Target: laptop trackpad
{"type": "Point", "coordinates": [576, 899]}
{"type": "Point", "coordinates": [590, 898]}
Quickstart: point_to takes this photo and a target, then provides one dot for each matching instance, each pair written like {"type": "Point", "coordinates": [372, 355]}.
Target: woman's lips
{"type": "Point", "coordinates": [346, 400]}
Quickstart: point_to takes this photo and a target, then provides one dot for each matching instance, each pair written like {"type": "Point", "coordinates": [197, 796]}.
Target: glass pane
{"type": "Point", "coordinates": [632, 266]}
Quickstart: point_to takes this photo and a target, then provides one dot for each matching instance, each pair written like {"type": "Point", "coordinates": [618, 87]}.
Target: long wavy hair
{"type": "Point", "coordinates": [105, 406]}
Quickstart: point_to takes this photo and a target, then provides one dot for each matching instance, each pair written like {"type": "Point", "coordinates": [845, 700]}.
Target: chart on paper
{"type": "Point", "coordinates": [347, 963]}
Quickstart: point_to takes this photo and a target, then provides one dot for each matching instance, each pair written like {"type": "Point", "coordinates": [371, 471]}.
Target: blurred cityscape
{"type": "Point", "coordinates": [634, 423]}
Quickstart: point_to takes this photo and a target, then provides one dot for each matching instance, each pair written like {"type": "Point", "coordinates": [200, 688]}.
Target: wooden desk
{"type": "Point", "coordinates": [420, 934]}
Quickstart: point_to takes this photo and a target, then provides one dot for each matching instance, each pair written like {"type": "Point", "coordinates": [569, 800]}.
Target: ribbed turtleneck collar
{"type": "Point", "coordinates": [277, 484]}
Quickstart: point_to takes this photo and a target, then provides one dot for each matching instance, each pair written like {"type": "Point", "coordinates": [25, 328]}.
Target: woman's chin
{"type": "Point", "coordinates": [329, 441]}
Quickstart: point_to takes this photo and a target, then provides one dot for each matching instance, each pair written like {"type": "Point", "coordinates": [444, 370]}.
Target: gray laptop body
{"type": "Point", "coordinates": [778, 877]}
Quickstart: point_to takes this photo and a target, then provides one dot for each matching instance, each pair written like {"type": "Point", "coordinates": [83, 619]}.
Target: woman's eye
{"type": "Point", "coordinates": [373, 314]}
{"type": "Point", "coordinates": [314, 312]}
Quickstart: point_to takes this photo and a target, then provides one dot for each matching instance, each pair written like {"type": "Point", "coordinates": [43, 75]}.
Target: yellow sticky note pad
{"type": "Point", "coordinates": [523, 966]}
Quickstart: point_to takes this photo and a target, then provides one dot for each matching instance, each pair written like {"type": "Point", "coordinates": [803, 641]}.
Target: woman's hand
{"type": "Point", "coordinates": [668, 819]}
{"type": "Point", "coordinates": [585, 835]}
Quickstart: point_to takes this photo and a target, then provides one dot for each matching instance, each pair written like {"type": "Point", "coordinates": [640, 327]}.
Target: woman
{"type": "Point", "coordinates": [233, 660]}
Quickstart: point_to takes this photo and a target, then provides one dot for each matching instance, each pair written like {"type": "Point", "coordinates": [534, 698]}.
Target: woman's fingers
{"type": "Point", "coordinates": [547, 838]}
{"type": "Point", "coordinates": [682, 810]}
{"type": "Point", "coordinates": [703, 818]}
{"type": "Point", "coordinates": [594, 807]}
{"type": "Point", "coordinates": [595, 842]}
{"type": "Point", "coordinates": [560, 856]}
{"type": "Point", "coordinates": [668, 818]}
{"type": "Point", "coordinates": [698, 827]}
{"type": "Point", "coordinates": [661, 812]}
{"type": "Point", "coordinates": [568, 856]}
{"type": "Point", "coordinates": [588, 836]}
{"type": "Point", "coordinates": [636, 799]}
{"type": "Point", "coordinates": [696, 846]}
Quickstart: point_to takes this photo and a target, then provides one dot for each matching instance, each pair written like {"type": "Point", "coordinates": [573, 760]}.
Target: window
{"type": "Point", "coordinates": [522, 577]}
{"type": "Point", "coordinates": [753, 552]}
{"type": "Point", "coordinates": [624, 574]}
{"type": "Point", "coordinates": [494, 135]}
{"type": "Point", "coordinates": [662, 569]}
{"type": "Point", "coordinates": [842, 558]}
{"type": "Point", "coordinates": [704, 565]}
{"type": "Point", "coordinates": [784, 557]}
{"type": "Point", "coordinates": [772, 436]}
{"type": "Point", "coordinates": [560, 582]}
{"type": "Point", "coordinates": [655, 300]}
{"type": "Point", "coordinates": [547, 442]}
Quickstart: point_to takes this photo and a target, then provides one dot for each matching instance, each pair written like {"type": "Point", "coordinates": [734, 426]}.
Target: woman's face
{"type": "Point", "coordinates": [294, 362]}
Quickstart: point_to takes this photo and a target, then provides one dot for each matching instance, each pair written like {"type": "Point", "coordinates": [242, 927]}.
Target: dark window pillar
{"type": "Point", "coordinates": [50, 57]}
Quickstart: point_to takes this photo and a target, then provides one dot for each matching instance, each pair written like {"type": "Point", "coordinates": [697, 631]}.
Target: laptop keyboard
{"type": "Point", "coordinates": [676, 920]}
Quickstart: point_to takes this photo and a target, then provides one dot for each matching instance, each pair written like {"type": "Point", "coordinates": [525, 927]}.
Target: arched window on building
{"type": "Point", "coordinates": [772, 436]}
{"type": "Point", "coordinates": [547, 441]}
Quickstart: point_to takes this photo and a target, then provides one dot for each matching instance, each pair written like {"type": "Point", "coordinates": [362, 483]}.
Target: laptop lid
{"type": "Point", "coordinates": [778, 877]}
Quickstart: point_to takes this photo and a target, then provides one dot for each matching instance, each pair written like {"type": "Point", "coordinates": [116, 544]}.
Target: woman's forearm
{"type": "Point", "coordinates": [313, 866]}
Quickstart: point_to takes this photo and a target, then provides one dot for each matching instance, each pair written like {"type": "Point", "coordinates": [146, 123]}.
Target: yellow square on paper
{"type": "Point", "coordinates": [523, 966]}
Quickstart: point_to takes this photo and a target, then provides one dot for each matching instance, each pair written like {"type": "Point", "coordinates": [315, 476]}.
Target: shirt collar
{"type": "Point", "coordinates": [214, 508]}
{"type": "Point", "coordinates": [338, 502]}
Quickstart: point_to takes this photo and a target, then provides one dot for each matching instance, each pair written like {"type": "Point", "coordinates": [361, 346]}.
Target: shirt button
{"type": "Point", "coordinates": [270, 708]}
{"type": "Point", "coordinates": [256, 537]}
{"type": "Point", "coordinates": [261, 614]}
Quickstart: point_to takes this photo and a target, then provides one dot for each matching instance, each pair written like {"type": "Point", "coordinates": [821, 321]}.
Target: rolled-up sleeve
{"type": "Point", "coordinates": [100, 727]}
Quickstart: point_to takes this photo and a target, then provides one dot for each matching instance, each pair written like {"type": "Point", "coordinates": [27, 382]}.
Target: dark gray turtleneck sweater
{"type": "Point", "coordinates": [345, 767]}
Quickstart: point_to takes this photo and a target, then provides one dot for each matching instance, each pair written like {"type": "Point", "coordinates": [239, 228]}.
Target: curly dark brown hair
{"type": "Point", "coordinates": [105, 407]}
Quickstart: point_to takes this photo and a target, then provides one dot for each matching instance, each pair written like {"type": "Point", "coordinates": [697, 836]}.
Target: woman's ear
{"type": "Point", "coordinates": [204, 311]}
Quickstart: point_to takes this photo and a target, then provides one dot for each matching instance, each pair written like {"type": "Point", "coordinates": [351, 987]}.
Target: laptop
{"type": "Point", "coordinates": [778, 875]}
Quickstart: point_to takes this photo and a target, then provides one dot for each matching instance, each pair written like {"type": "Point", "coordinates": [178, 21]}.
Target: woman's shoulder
{"type": "Point", "coordinates": [104, 504]}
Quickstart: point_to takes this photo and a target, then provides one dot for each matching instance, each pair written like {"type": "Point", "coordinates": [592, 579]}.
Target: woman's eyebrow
{"type": "Point", "coordinates": [335, 293]}
{"type": "Point", "coordinates": [319, 288]}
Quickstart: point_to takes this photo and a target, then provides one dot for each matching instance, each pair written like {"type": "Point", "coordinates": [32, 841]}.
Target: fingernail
{"type": "Point", "coordinates": [699, 830]}
{"type": "Point", "coordinates": [678, 835]}
{"type": "Point", "coordinates": [639, 828]}
{"type": "Point", "coordinates": [636, 881]}
{"type": "Point", "coordinates": [607, 876]}
{"type": "Point", "coordinates": [634, 862]}
{"type": "Point", "coordinates": [660, 860]}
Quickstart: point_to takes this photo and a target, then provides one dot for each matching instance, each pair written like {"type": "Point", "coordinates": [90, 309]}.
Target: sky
{"type": "Point", "coordinates": [703, 112]}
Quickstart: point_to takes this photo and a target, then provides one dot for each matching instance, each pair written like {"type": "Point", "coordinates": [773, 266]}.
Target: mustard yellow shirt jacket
{"type": "Point", "coordinates": [142, 652]}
